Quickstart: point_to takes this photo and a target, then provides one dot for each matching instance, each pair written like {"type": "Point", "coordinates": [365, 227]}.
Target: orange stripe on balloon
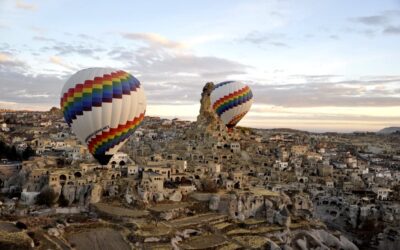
{"type": "Point", "coordinates": [227, 97]}
{"type": "Point", "coordinates": [106, 135]}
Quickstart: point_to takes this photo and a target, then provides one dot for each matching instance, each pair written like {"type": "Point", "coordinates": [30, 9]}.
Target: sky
{"type": "Point", "coordinates": [315, 65]}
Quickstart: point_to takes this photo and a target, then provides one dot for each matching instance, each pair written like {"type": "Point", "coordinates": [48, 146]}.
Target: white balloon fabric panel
{"type": "Point", "coordinates": [103, 107]}
{"type": "Point", "coordinates": [231, 100]}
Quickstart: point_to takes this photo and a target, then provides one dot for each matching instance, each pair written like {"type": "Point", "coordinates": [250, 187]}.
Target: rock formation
{"type": "Point", "coordinates": [207, 119]}
{"type": "Point", "coordinates": [81, 195]}
{"type": "Point", "coordinates": [176, 196]}
{"type": "Point", "coordinates": [206, 116]}
{"type": "Point", "coordinates": [55, 111]}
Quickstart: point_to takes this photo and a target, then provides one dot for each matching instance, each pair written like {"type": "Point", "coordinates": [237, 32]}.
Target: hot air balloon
{"type": "Point", "coordinates": [231, 100]}
{"type": "Point", "coordinates": [103, 107]}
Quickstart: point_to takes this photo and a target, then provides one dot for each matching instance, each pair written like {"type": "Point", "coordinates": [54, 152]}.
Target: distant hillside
{"type": "Point", "coordinates": [278, 130]}
{"type": "Point", "coordinates": [285, 130]}
{"type": "Point", "coordinates": [389, 130]}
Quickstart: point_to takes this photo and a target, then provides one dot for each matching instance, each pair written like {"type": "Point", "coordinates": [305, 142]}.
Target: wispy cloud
{"type": "Point", "coordinates": [164, 60]}
{"type": "Point", "coordinates": [392, 30]}
{"type": "Point", "coordinates": [259, 38]}
{"type": "Point", "coordinates": [9, 62]}
{"type": "Point", "coordinates": [58, 61]}
{"type": "Point", "coordinates": [23, 88]}
{"type": "Point", "coordinates": [25, 94]}
{"type": "Point", "coordinates": [43, 38]}
{"type": "Point", "coordinates": [5, 58]}
{"type": "Point", "coordinates": [385, 22]}
{"type": "Point", "coordinates": [154, 39]}
{"type": "Point", "coordinates": [24, 5]}
{"type": "Point", "coordinates": [376, 20]}
{"type": "Point", "coordinates": [25, 106]}
{"type": "Point", "coordinates": [62, 48]}
{"type": "Point", "coordinates": [350, 93]}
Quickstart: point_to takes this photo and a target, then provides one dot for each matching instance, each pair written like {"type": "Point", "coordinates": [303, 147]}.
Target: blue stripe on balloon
{"type": "Point", "coordinates": [222, 84]}
{"type": "Point", "coordinates": [98, 96]}
{"type": "Point", "coordinates": [234, 103]}
{"type": "Point", "coordinates": [126, 88]}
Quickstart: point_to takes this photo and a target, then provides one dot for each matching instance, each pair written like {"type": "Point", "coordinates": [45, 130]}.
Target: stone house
{"type": "Point", "coordinates": [382, 193]}
{"type": "Point", "coordinates": [152, 182]}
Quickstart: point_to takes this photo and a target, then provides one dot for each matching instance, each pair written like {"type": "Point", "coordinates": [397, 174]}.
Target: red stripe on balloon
{"type": "Point", "coordinates": [225, 98]}
{"type": "Point", "coordinates": [112, 132]}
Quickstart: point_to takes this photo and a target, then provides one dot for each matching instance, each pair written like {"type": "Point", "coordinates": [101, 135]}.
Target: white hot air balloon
{"type": "Point", "coordinates": [103, 106]}
{"type": "Point", "coordinates": [231, 100]}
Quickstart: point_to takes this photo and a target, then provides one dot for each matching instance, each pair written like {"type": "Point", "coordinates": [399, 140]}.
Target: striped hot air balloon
{"type": "Point", "coordinates": [231, 101]}
{"type": "Point", "coordinates": [103, 107]}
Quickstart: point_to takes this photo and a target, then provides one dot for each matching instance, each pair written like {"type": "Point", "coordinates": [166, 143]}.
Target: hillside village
{"type": "Point", "coordinates": [195, 185]}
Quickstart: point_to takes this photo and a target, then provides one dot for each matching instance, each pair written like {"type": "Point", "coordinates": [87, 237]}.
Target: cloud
{"type": "Point", "coordinates": [25, 6]}
{"type": "Point", "coordinates": [384, 22]}
{"type": "Point", "coordinates": [25, 94]}
{"type": "Point", "coordinates": [85, 36]}
{"type": "Point", "coordinates": [334, 37]}
{"type": "Point", "coordinates": [25, 106]}
{"type": "Point", "coordinates": [181, 78]}
{"type": "Point", "coordinates": [154, 39]}
{"type": "Point", "coordinates": [10, 63]}
{"type": "Point", "coordinates": [58, 61]}
{"type": "Point", "coordinates": [376, 20]}
{"type": "Point", "coordinates": [177, 78]}
{"type": "Point", "coordinates": [351, 93]}
{"type": "Point", "coordinates": [170, 73]}
{"type": "Point", "coordinates": [5, 58]}
{"type": "Point", "coordinates": [37, 29]}
{"type": "Point", "coordinates": [43, 38]}
{"type": "Point", "coordinates": [259, 38]}
{"type": "Point", "coordinates": [392, 30]}
{"type": "Point", "coordinates": [158, 61]}
{"type": "Point", "coordinates": [62, 48]}
{"type": "Point", "coordinates": [191, 64]}
{"type": "Point", "coordinates": [38, 90]}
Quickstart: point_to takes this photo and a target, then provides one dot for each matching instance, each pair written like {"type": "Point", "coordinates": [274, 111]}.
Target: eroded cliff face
{"type": "Point", "coordinates": [206, 116]}
{"type": "Point", "coordinates": [207, 121]}
{"type": "Point", "coordinates": [79, 195]}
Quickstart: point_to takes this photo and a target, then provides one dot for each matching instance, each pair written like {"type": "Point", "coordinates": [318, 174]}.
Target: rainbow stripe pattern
{"type": "Point", "coordinates": [232, 100]}
{"type": "Point", "coordinates": [92, 93]}
{"type": "Point", "coordinates": [236, 119]}
{"type": "Point", "coordinates": [108, 139]}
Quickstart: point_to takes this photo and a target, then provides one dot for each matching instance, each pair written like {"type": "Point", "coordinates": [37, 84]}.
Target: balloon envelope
{"type": "Point", "coordinates": [231, 101]}
{"type": "Point", "coordinates": [103, 107]}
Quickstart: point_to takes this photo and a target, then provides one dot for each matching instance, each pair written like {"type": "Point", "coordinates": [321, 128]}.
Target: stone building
{"type": "Point", "coordinates": [152, 182]}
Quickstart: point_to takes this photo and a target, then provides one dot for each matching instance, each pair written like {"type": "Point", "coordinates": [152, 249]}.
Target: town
{"type": "Point", "coordinates": [197, 185]}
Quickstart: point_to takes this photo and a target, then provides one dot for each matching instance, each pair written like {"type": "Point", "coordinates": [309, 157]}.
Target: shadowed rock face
{"type": "Point", "coordinates": [206, 115]}
{"type": "Point", "coordinates": [207, 119]}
